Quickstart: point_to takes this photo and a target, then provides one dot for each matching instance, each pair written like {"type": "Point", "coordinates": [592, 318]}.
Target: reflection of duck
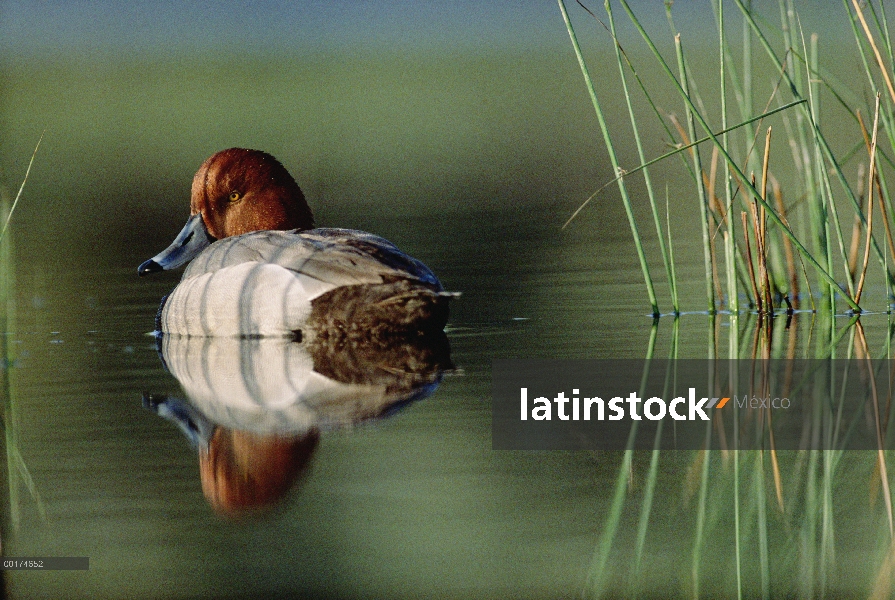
{"type": "Point", "coordinates": [278, 386]}
{"type": "Point", "coordinates": [257, 406]}
{"type": "Point", "coordinates": [269, 273]}
{"type": "Point", "coordinates": [242, 472]}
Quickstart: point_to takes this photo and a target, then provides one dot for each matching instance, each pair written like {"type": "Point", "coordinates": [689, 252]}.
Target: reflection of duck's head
{"type": "Point", "coordinates": [237, 191]}
{"type": "Point", "coordinates": [243, 473]}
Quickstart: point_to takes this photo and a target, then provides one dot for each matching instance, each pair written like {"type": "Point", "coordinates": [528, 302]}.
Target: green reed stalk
{"type": "Point", "coordinates": [762, 506]}
{"type": "Point", "coordinates": [8, 408]}
{"type": "Point", "coordinates": [596, 574]}
{"type": "Point", "coordinates": [699, 538]}
{"type": "Point", "coordinates": [884, 28]}
{"type": "Point", "coordinates": [747, 71]}
{"type": "Point", "coordinates": [743, 269]}
{"type": "Point", "coordinates": [823, 179]}
{"type": "Point", "coordinates": [733, 301]}
{"type": "Point", "coordinates": [828, 350]}
{"type": "Point", "coordinates": [871, 194]}
{"type": "Point", "coordinates": [646, 507]}
{"type": "Point", "coordinates": [861, 42]}
{"type": "Point", "coordinates": [731, 163]}
{"type": "Point", "coordinates": [658, 114]}
{"type": "Point", "coordinates": [21, 187]}
{"type": "Point", "coordinates": [817, 223]}
{"type": "Point", "coordinates": [698, 172]}
{"type": "Point", "coordinates": [877, 55]}
{"type": "Point", "coordinates": [729, 66]}
{"type": "Point", "coordinates": [702, 517]}
{"type": "Point", "coordinates": [827, 543]}
{"type": "Point", "coordinates": [612, 158]}
{"type": "Point", "coordinates": [737, 544]}
{"type": "Point", "coordinates": [733, 340]}
{"type": "Point", "coordinates": [809, 526]}
{"type": "Point", "coordinates": [821, 142]}
{"type": "Point", "coordinates": [746, 106]}
{"type": "Point", "coordinates": [16, 469]}
{"type": "Point", "coordinates": [653, 473]}
{"type": "Point", "coordinates": [786, 28]}
{"type": "Point", "coordinates": [670, 245]}
{"type": "Point", "coordinates": [678, 149]}
{"type": "Point", "coordinates": [702, 198]}
{"type": "Point", "coordinates": [734, 384]}
{"type": "Point", "coordinates": [886, 117]}
{"type": "Point", "coordinates": [672, 284]}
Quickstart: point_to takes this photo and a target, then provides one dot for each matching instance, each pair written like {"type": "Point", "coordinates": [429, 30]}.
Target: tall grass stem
{"type": "Point", "coordinates": [612, 158]}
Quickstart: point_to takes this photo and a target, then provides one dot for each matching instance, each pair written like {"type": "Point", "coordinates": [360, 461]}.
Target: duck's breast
{"type": "Point", "coordinates": [247, 299]}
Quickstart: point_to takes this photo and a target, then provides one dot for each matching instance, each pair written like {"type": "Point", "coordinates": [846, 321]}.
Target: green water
{"type": "Point", "coordinates": [470, 162]}
{"type": "Point", "coordinates": [417, 505]}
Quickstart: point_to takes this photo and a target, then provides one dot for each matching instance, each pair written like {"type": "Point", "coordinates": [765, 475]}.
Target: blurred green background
{"type": "Point", "coordinates": [414, 108]}
{"type": "Point", "coordinates": [411, 108]}
{"type": "Point", "coordinates": [463, 132]}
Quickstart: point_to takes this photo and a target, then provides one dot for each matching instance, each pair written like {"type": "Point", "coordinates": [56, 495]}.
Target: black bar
{"type": "Point", "coordinates": [44, 563]}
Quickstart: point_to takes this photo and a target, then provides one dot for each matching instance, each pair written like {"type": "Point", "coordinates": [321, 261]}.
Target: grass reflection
{"type": "Point", "coordinates": [759, 523]}
{"type": "Point", "coordinates": [17, 472]}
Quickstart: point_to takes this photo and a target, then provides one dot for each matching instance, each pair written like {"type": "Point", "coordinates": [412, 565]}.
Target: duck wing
{"type": "Point", "coordinates": [336, 257]}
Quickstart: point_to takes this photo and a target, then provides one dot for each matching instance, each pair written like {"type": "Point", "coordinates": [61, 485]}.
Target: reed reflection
{"type": "Point", "coordinates": [752, 518]}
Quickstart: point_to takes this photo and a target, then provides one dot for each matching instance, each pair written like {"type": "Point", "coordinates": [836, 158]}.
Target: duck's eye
{"type": "Point", "coordinates": [234, 196]}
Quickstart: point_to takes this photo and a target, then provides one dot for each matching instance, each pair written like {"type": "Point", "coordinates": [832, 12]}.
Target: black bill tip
{"type": "Point", "coordinates": [150, 266]}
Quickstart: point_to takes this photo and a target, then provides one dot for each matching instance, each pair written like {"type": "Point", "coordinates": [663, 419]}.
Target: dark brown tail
{"type": "Point", "coordinates": [401, 307]}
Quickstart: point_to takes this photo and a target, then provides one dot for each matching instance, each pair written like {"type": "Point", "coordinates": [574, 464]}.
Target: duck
{"type": "Point", "coordinates": [258, 267]}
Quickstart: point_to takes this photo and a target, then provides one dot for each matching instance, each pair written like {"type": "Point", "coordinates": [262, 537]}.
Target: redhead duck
{"type": "Point", "coordinates": [258, 267]}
